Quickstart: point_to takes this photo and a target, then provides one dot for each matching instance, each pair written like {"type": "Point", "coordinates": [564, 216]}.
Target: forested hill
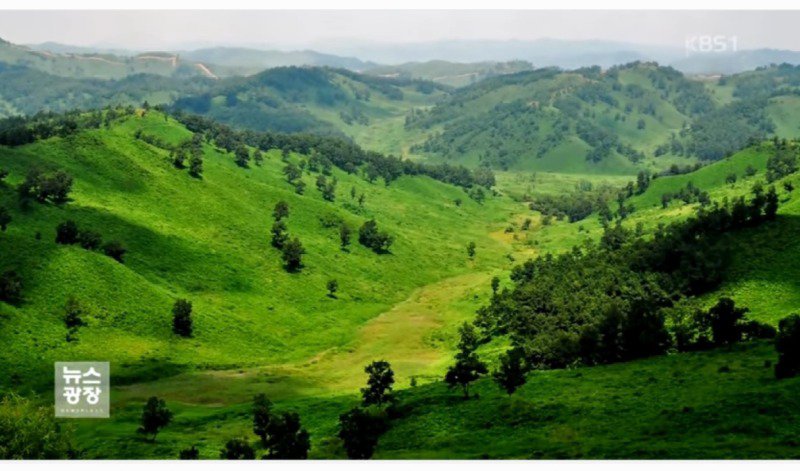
{"type": "Point", "coordinates": [313, 99]}
{"type": "Point", "coordinates": [592, 120]}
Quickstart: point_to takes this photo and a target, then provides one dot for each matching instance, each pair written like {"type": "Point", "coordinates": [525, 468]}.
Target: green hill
{"type": "Point", "coordinates": [591, 121]}
{"type": "Point", "coordinates": [260, 328]}
{"type": "Point", "coordinates": [714, 404]}
{"type": "Point", "coordinates": [306, 99]}
{"type": "Point", "coordinates": [207, 240]}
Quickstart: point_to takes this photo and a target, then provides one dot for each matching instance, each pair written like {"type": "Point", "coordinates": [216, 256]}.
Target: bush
{"type": "Point", "coordinates": [787, 344]}
{"type": "Point", "coordinates": [67, 233]}
{"type": "Point", "coordinates": [115, 250]}
{"type": "Point", "coordinates": [237, 449]}
{"type": "Point", "coordinates": [10, 287]}
{"type": "Point", "coordinates": [293, 255]}
{"type": "Point", "coordinates": [182, 318]}
{"type": "Point", "coordinates": [359, 430]}
{"type": "Point", "coordinates": [90, 240]}
{"type": "Point", "coordinates": [369, 236]}
{"type": "Point", "coordinates": [29, 432]}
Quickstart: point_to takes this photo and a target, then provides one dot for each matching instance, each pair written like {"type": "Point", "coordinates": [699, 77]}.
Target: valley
{"type": "Point", "coordinates": [315, 220]}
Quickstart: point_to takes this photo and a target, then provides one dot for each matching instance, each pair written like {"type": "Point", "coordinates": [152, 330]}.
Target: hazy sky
{"type": "Point", "coordinates": [323, 30]}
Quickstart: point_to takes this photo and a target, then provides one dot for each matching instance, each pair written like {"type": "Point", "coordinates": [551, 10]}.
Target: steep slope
{"type": "Point", "coordinates": [208, 240]}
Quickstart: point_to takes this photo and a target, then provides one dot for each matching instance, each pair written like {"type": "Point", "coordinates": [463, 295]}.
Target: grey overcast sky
{"type": "Point", "coordinates": [323, 30]}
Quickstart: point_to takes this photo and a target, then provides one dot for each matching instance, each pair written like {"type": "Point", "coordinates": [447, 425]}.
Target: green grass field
{"type": "Point", "coordinates": [259, 329]}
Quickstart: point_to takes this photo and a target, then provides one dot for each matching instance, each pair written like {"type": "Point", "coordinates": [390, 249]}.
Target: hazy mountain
{"type": "Point", "coordinates": [249, 61]}
{"type": "Point", "coordinates": [736, 62]}
{"type": "Point", "coordinates": [540, 52]}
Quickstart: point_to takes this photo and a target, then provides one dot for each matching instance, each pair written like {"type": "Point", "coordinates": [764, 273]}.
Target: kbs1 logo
{"type": "Point", "coordinates": [82, 389]}
{"type": "Point", "coordinates": [705, 44]}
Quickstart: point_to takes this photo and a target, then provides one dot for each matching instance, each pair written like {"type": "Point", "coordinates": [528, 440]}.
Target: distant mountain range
{"type": "Point", "coordinates": [456, 62]}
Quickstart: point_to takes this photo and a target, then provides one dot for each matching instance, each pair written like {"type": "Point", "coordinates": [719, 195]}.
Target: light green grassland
{"type": "Point", "coordinates": [259, 329]}
{"type": "Point", "coordinates": [208, 240]}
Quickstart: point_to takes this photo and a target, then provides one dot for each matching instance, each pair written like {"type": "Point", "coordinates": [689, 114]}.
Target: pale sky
{"type": "Point", "coordinates": [323, 30]}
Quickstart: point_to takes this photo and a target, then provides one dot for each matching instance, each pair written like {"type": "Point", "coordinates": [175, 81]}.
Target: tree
{"type": "Point", "coordinates": [43, 187]}
{"type": "Point", "coordinates": [258, 157]}
{"type": "Point", "coordinates": [511, 374]}
{"type": "Point", "coordinates": [329, 191]}
{"type": "Point", "coordinates": [5, 218]}
{"type": "Point", "coordinates": [345, 233]}
{"type": "Point", "coordinates": [369, 236]}
{"type": "Point", "coordinates": [322, 182]}
{"type": "Point", "coordinates": [379, 384]}
{"type": "Point", "coordinates": [293, 255]}
{"type": "Point", "coordinates": [725, 321]}
{"type": "Point", "coordinates": [359, 430]}
{"type": "Point", "coordinates": [495, 284]}
{"type": "Point", "coordinates": [242, 156]}
{"type": "Point", "coordinates": [189, 454]}
{"type": "Point", "coordinates": [332, 287]}
{"type": "Point", "coordinates": [67, 233]}
{"type": "Point", "coordinates": [292, 172]}
{"type": "Point", "coordinates": [155, 416]}
{"type": "Point", "coordinates": [72, 314]}
{"type": "Point", "coordinates": [471, 250]}
{"type": "Point", "coordinates": [262, 416]}
{"type": "Point", "coordinates": [771, 204]}
{"type": "Point", "coordinates": [115, 250]}
{"type": "Point", "coordinates": [787, 344]}
{"type": "Point", "coordinates": [279, 234]}
{"type": "Point", "coordinates": [287, 439]}
{"type": "Point", "coordinates": [468, 367]}
{"type": "Point", "coordinates": [10, 287]}
{"type": "Point", "coordinates": [281, 210]}
{"type": "Point", "coordinates": [300, 187]}
{"type": "Point", "coordinates": [196, 165]}
{"type": "Point", "coordinates": [361, 199]}
{"type": "Point", "coordinates": [182, 318]}
{"type": "Point", "coordinates": [179, 158]}
{"type": "Point", "coordinates": [237, 449]}
{"type": "Point", "coordinates": [30, 432]}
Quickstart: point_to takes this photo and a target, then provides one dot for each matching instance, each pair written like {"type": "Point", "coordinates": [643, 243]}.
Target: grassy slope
{"type": "Point", "coordinates": [207, 240]}
{"type": "Point", "coordinates": [677, 406]}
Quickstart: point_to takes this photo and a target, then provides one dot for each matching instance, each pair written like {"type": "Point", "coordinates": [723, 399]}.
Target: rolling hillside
{"type": "Point", "coordinates": [303, 99]}
{"type": "Point", "coordinates": [625, 410]}
{"type": "Point", "coordinates": [208, 240]}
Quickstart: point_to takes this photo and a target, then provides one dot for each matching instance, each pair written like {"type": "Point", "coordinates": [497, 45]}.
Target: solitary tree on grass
{"type": "Point", "coordinates": [155, 416]}
{"type": "Point", "coordinates": [182, 318]}
{"type": "Point", "coordinates": [379, 384]}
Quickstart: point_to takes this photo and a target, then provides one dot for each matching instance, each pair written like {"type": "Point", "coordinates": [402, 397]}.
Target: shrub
{"type": "Point", "coordinates": [67, 233]}
{"type": "Point", "coordinates": [237, 449]}
{"type": "Point", "coordinates": [787, 344]}
{"type": "Point", "coordinates": [115, 250]}
{"type": "Point", "coordinates": [369, 236]}
{"type": "Point", "coordinates": [10, 287]}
